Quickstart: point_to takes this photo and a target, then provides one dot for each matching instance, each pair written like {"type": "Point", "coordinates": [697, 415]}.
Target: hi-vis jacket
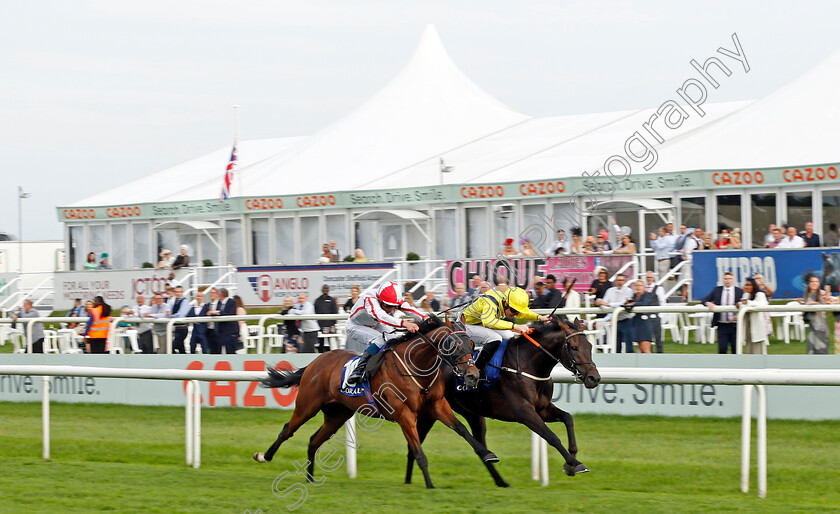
{"type": "Point", "coordinates": [367, 312]}
{"type": "Point", "coordinates": [487, 311]}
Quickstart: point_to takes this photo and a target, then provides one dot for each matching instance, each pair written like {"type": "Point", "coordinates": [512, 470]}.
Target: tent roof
{"type": "Point", "coordinates": [431, 110]}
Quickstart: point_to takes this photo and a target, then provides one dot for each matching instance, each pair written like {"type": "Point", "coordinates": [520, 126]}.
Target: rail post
{"type": "Point", "coordinates": [45, 415]}
{"type": "Point", "coordinates": [350, 437]}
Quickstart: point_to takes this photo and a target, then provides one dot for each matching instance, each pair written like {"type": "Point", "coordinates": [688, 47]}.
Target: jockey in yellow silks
{"type": "Point", "coordinates": [485, 321]}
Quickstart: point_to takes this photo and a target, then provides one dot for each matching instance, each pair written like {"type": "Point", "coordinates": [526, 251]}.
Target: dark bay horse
{"type": "Point", "coordinates": [409, 385]}
{"type": "Point", "coordinates": [524, 390]}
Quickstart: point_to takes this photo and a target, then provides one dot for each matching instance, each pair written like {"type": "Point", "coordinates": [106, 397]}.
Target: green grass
{"type": "Point", "coordinates": [131, 459]}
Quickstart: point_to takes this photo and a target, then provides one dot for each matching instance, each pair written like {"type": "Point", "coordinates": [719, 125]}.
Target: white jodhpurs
{"type": "Point", "coordinates": [359, 337]}
{"type": "Point", "coordinates": [480, 335]}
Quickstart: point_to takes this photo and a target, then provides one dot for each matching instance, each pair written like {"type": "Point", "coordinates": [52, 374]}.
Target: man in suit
{"type": "Point", "coordinates": [212, 335]}
{"type": "Point", "coordinates": [180, 309]}
{"type": "Point", "coordinates": [553, 296]}
{"type": "Point", "coordinates": [199, 333]}
{"type": "Point", "coordinates": [227, 332]}
{"type": "Point", "coordinates": [724, 295]}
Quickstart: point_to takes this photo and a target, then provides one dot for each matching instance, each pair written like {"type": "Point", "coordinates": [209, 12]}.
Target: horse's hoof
{"type": "Point", "coordinates": [490, 457]}
{"type": "Point", "coordinates": [574, 470]}
{"type": "Point", "coordinates": [502, 484]}
{"type": "Point", "coordinates": [259, 456]}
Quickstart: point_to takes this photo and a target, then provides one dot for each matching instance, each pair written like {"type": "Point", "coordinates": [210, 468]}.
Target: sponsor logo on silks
{"type": "Point", "coordinates": [261, 286]}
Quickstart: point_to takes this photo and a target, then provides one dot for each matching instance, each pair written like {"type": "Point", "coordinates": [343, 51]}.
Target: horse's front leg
{"type": "Point", "coordinates": [529, 417]}
{"type": "Point", "coordinates": [442, 411]}
{"type": "Point", "coordinates": [478, 427]}
{"type": "Point", "coordinates": [552, 414]}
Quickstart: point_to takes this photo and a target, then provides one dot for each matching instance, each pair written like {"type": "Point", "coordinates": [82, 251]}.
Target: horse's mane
{"type": "Point", "coordinates": [427, 325]}
{"type": "Point", "coordinates": [543, 329]}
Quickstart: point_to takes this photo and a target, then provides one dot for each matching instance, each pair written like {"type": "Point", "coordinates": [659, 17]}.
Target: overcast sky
{"type": "Point", "coordinates": [97, 93]}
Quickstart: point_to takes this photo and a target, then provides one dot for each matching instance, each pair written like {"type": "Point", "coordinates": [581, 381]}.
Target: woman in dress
{"type": "Point", "coordinates": [183, 260]}
{"type": "Point", "coordinates": [243, 325]}
{"type": "Point", "coordinates": [627, 246]}
{"type": "Point", "coordinates": [755, 331]}
{"type": "Point", "coordinates": [527, 249]}
{"type": "Point", "coordinates": [90, 263]}
{"type": "Point", "coordinates": [577, 243]}
{"type": "Point", "coordinates": [326, 256]}
{"type": "Point", "coordinates": [354, 297]}
{"type": "Point", "coordinates": [642, 324]}
{"type": "Point", "coordinates": [818, 333]}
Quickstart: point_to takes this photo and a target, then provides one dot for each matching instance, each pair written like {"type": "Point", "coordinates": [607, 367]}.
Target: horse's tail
{"type": "Point", "coordinates": [282, 378]}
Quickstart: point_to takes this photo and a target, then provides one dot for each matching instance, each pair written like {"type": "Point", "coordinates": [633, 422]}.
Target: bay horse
{"type": "Point", "coordinates": [401, 392]}
{"type": "Point", "coordinates": [524, 390]}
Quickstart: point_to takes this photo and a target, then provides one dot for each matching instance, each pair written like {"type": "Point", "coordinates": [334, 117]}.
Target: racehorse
{"type": "Point", "coordinates": [407, 386]}
{"type": "Point", "coordinates": [524, 390]}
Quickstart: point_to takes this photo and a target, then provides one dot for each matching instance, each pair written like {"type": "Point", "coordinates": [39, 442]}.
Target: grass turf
{"type": "Point", "coordinates": [131, 459]}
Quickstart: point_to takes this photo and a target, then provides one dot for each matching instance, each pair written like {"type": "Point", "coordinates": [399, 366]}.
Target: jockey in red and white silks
{"type": "Point", "coordinates": [371, 318]}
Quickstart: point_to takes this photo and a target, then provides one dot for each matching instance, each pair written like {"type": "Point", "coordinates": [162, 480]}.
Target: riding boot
{"type": "Point", "coordinates": [359, 373]}
{"type": "Point", "coordinates": [486, 354]}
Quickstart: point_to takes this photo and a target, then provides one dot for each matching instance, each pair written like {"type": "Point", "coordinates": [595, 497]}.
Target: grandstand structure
{"type": "Point", "coordinates": [434, 165]}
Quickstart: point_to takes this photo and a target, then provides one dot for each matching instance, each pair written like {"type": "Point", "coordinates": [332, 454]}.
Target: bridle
{"type": "Point", "coordinates": [456, 360]}
{"type": "Point", "coordinates": [573, 366]}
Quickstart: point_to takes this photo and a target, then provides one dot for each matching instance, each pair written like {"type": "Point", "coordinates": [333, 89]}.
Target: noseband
{"type": "Point", "coordinates": [573, 366]}
{"type": "Point", "coordinates": [461, 336]}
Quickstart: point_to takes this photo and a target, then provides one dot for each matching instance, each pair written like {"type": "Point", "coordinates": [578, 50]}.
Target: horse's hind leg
{"type": "Point", "coordinates": [305, 409]}
{"type": "Point", "coordinates": [529, 417]}
{"type": "Point", "coordinates": [478, 427]}
{"type": "Point", "coordinates": [443, 411]}
{"type": "Point", "coordinates": [552, 414]}
{"type": "Point", "coordinates": [424, 425]}
{"type": "Point", "coordinates": [334, 416]}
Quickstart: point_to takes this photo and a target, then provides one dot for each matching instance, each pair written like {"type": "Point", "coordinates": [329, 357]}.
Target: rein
{"type": "Point", "coordinates": [469, 361]}
{"type": "Point", "coordinates": [573, 366]}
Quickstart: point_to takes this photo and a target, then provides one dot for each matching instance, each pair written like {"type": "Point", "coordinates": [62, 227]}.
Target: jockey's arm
{"type": "Point", "coordinates": [411, 311]}
{"type": "Point", "coordinates": [372, 307]}
{"type": "Point", "coordinates": [524, 317]}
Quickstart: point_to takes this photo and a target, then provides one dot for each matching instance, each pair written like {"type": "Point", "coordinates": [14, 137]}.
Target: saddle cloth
{"type": "Point", "coordinates": [346, 371]}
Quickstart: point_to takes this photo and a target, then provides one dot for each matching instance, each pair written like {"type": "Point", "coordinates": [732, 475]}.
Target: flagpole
{"type": "Point", "coordinates": [236, 144]}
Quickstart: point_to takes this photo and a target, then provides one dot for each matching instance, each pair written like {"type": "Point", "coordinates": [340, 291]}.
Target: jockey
{"type": "Point", "coordinates": [371, 317]}
{"type": "Point", "coordinates": [485, 321]}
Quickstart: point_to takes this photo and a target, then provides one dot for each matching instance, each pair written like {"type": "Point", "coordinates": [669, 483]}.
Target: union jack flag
{"type": "Point", "coordinates": [231, 167]}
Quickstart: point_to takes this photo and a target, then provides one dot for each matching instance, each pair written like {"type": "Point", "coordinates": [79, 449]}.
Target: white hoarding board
{"type": "Point", "coordinates": [263, 286]}
{"type": "Point", "coordinates": [116, 287]}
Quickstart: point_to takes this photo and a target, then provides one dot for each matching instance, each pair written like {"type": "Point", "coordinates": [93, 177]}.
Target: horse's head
{"type": "Point", "coordinates": [455, 347]}
{"type": "Point", "coordinates": [567, 342]}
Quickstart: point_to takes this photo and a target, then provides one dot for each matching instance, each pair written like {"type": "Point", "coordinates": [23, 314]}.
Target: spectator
{"type": "Point", "coordinates": [792, 240]}
{"type": "Point", "coordinates": [90, 263]}
{"type": "Point", "coordinates": [227, 332]}
{"type": "Point", "coordinates": [559, 247]}
{"type": "Point", "coordinates": [724, 295]}
{"type": "Point", "coordinates": [171, 281]}
{"type": "Point", "coordinates": [477, 283]}
{"type": "Point", "coordinates": [409, 298]}
{"type": "Point", "coordinates": [553, 296]}
{"type": "Point", "coordinates": [527, 249]}
{"type": "Point", "coordinates": [663, 247]}
{"type": "Point", "coordinates": [243, 325]}
{"type": "Point", "coordinates": [169, 295]}
{"type": "Point", "coordinates": [180, 309]}
{"type": "Point", "coordinates": [601, 284]}
{"type": "Point", "coordinates": [832, 238]}
{"type": "Point", "coordinates": [166, 260]}
{"type": "Point", "coordinates": [643, 325]}
{"type": "Point", "coordinates": [735, 236]}
{"type": "Point", "coordinates": [669, 229]}
{"type": "Point", "coordinates": [159, 310]}
{"type": "Point", "coordinates": [693, 243]}
{"type": "Point", "coordinates": [707, 241]}
{"type": "Point", "coordinates": [100, 324]}
{"type": "Point", "coordinates": [763, 287]}
{"type": "Point", "coordinates": [652, 287]}
{"type": "Point", "coordinates": [627, 246]}
{"type": "Point", "coordinates": [828, 298]}
{"type": "Point", "coordinates": [292, 331]}
{"type": "Point", "coordinates": [183, 260]}
{"type": "Point", "coordinates": [811, 239]}
{"type": "Point", "coordinates": [308, 327]}
{"type": "Point", "coordinates": [770, 236]}
{"type": "Point", "coordinates": [425, 306]}
{"type": "Point", "coordinates": [26, 311]}
{"type": "Point", "coordinates": [755, 329]}
{"type": "Point", "coordinates": [144, 330]}
{"type": "Point", "coordinates": [603, 244]}
{"type": "Point", "coordinates": [325, 304]}
{"type": "Point", "coordinates": [360, 256]}
{"type": "Point", "coordinates": [570, 299]}
{"type": "Point", "coordinates": [577, 244]}
{"type": "Point", "coordinates": [103, 264]}
{"type": "Point", "coordinates": [354, 297]}
{"type": "Point", "coordinates": [818, 331]}
{"type": "Point", "coordinates": [677, 256]}
{"type": "Point", "coordinates": [460, 297]}
{"type": "Point", "coordinates": [502, 283]}
{"type": "Point", "coordinates": [326, 256]}
{"type": "Point", "coordinates": [335, 256]}
{"type": "Point", "coordinates": [212, 333]}
{"type": "Point", "coordinates": [617, 296]}
{"type": "Point", "coordinates": [75, 312]}
{"type": "Point", "coordinates": [775, 238]}
{"type": "Point", "coordinates": [433, 302]}
{"type": "Point", "coordinates": [198, 338]}
{"type": "Point", "coordinates": [724, 241]}
{"type": "Point", "coordinates": [83, 330]}
{"type": "Point", "coordinates": [509, 250]}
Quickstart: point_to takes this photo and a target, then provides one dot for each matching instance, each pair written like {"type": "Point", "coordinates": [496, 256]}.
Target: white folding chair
{"type": "Point", "coordinates": [68, 341]}
{"type": "Point", "coordinates": [251, 336]}
{"type": "Point", "coordinates": [273, 338]}
{"type": "Point", "coordinates": [18, 342]}
{"type": "Point", "coordinates": [50, 341]}
{"type": "Point", "coordinates": [794, 321]}
{"type": "Point", "coordinates": [670, 321]}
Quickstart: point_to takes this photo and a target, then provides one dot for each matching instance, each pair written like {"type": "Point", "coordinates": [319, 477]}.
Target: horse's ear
{"type": "Point", "coordinates": [434, 320]}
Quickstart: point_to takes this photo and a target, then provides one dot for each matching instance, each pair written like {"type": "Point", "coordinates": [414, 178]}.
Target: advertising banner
{"type": "Point", "coordinates": [580, 267]}
{"type": "Point", "coordinates": [784, 402]}
{"type": "Point", "coordinates": [117, 287]}
{"type": "Point", "coordinates": [263, 286]}
{"type": "Point", "coordinates": [5, 280]}
{"type": "Point", "coordinates": [785, 271]}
